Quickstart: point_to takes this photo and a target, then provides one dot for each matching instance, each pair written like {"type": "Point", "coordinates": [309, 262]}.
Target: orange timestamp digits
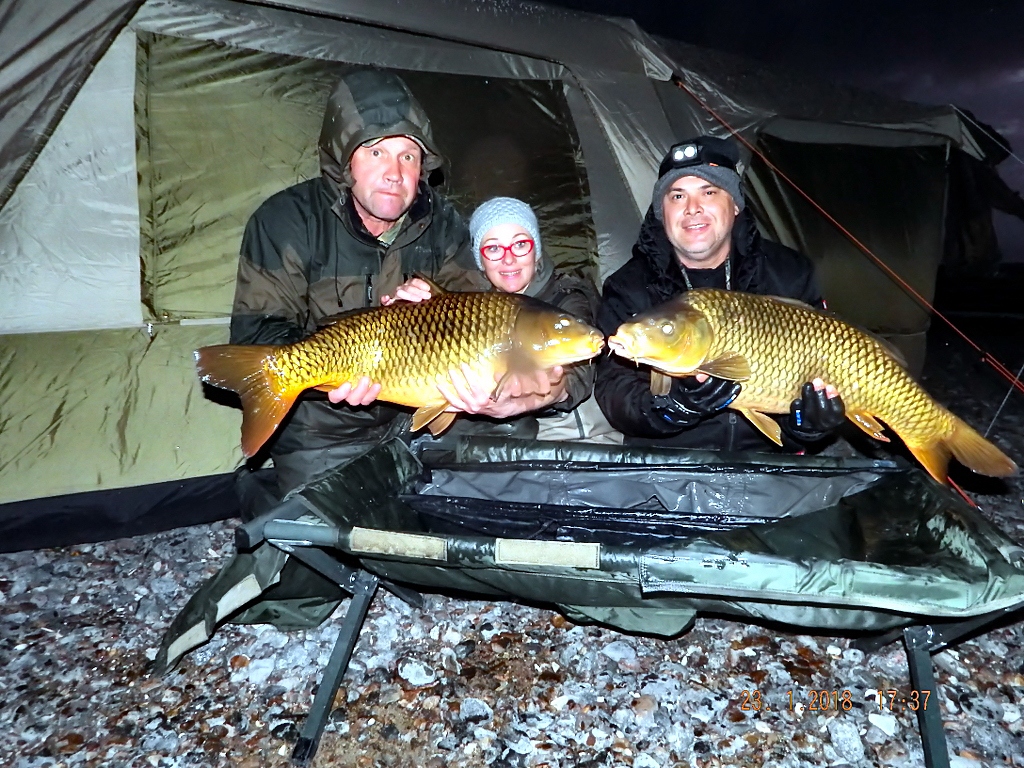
{"type": "Point", "coordinates": [894, 700]}
{"type": "Point", "coordinates": [812, 700]}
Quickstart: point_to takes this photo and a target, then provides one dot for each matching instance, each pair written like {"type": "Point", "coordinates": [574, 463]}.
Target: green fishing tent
{"type": "Point", "coordinates": [137, 137]}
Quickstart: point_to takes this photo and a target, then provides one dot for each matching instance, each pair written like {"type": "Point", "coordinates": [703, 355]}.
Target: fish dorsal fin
{"type": "Point", "coordinates": [660, 383]}
{"type": "Point", "coordinates": [732, 366]}
{"type": "Point", "coordinates": [868, 423]}
{"type": "Point", "coordinates": [435, 289]}
{"type": "Point", "coordinates": [323, 322]}
{"type": "Point", "coordinates": [428, 414]}
{"type": "Point", "coordinates": [796, 303]}
{"type": "Point", "coordinates": [768, 426]}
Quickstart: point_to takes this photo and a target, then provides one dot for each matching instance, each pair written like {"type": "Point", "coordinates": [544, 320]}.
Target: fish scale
{"type": "Point", "coordinates": [792, 345]}
{"type": "Point", "coordinates": [773, 346]}
{"type": "Point", "coordinates": [407, 348]}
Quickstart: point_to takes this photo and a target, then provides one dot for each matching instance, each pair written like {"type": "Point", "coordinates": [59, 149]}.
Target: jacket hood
{"type": "Point", "coordinates": [542, 276]}
{"type": "Point", "coordinates": [369, 104]}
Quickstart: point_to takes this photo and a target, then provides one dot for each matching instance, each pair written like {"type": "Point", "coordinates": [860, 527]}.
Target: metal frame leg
{"type": "Point", "coordinates": [918, 641]}
{"type": "Point", "coordinates": [363, 589]}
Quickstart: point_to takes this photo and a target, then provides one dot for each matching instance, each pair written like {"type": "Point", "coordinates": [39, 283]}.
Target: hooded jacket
{"type": "Point", "coordinates": [653, 276]}
{"type": "Point", "coordinates": [306, 255]}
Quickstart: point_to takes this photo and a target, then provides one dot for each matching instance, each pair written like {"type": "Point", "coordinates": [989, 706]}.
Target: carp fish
{"type": "Point", "coordinates": [407, 348]}
{"type": "Point", "coordinates": [773, 345]}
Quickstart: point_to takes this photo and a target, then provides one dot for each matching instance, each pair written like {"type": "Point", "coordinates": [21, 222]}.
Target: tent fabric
{"type": "Point", "coordinates": [135, 140]}
{"type": "Point", "coordinates": [46, 52]}
{"type": "Point", "coordinates": [70, 251]}
{"type": "Point", "coordinates": [748, 95]}
{"type": "Point", "coordinates": [98, 410]}
{"type": "Point", "coordinates": [79, 518]}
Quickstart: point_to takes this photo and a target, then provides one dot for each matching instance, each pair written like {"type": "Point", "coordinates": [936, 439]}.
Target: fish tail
{"type": "Point", "coordinates": [975, 452]}
{"type": "Point", "coordinates": [241, 368]}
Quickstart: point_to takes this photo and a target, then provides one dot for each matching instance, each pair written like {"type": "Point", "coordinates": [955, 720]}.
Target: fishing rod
{"type": "Point", "coordinates": [1015, 380]}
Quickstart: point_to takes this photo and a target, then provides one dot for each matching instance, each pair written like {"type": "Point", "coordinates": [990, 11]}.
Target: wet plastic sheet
{"type": "Point", "coordinates": [848, 545]}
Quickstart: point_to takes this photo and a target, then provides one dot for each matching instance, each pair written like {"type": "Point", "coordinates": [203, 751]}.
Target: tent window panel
{"type": "Point", "coordinates": [220, 129]}
{"type": "Point", "coordinates": [896, 211]}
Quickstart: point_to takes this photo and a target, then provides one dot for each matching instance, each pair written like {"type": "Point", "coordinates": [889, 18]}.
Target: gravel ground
{"type": "Point", "coordinates": [473, 683]}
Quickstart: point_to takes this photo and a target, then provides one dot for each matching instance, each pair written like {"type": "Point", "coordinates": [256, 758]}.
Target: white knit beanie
{"type": "Point", "coordinates": [502, 210]}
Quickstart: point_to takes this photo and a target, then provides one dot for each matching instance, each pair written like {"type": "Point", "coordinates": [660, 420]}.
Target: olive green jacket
{"type": "Point", "coordinates": [306, 256]}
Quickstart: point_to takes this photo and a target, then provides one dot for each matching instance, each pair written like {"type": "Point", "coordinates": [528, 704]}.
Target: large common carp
{"type": "Point", "coordinates": [407, 348]}
{"type": "Point", "coordinates": [774, 345]}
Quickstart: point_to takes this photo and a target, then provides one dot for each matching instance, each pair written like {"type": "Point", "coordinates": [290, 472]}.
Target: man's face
{"type": "Point", "coordinates": [698, 218]}
{"type": "Point", "coordinates": [385, 176]}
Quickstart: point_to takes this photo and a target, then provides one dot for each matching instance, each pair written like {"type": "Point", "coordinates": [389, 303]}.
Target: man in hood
{"type": "Point", "coordinates": [344, 241]}
{"type": "Point", "coordinates": [698, 233]}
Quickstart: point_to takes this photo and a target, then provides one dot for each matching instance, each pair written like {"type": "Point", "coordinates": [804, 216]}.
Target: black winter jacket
{"type": "Point", "coordinates": [653, 276]}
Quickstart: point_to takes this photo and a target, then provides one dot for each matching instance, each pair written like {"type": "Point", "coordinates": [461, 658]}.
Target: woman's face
{"type": "Point", "coordinates": [509, 256]}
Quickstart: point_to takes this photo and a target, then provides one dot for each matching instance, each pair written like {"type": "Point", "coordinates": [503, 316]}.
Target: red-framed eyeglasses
{"type": "Point", "coordinates": [520, 247]}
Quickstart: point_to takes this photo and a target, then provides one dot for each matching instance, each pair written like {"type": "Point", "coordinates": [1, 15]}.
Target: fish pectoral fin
{"type": "Point", "coordinates": [517, 361]}
{"type": "Point", "coordinates": [441, 423]}
{"type": "Point", "coordinates": [427, 414]}
{"type": "Point", "coordinates": [768, 426]}
{"type": "Point", "coordinates": [869, 424]}
{"type": "Point", "coordinates": [732, 366]}
{"type": "Point", "coordinates": [325, 387]}
{"type": "Point", "coordinates": [660, 383]}
{"type": "Point", "coordinates": [435, 289]}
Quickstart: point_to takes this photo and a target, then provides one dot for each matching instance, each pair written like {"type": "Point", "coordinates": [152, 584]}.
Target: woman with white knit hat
{"type": "Point", "coordinates": [507, 246]}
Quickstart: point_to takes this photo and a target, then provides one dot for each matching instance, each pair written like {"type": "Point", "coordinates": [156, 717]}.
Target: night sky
{"type": "Point", "coordinates": [930, 51]}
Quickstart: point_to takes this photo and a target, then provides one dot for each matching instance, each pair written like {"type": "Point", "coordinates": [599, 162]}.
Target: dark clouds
{"type": "Point", "coordinates": [931, 51]}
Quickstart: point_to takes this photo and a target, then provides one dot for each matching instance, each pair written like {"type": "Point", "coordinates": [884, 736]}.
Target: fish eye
{"type": "Point", "coordinates": [667, 328]}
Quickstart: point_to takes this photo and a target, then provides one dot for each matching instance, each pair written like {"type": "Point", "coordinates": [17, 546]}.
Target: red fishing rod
{"type": "Point", "coordinates": [985, 355]}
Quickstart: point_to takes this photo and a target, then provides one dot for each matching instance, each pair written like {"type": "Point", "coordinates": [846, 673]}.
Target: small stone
{"type": "Point", "coordinates": [521, 747]}
{"type": "Point", "coordinates": [644, 705]}
{"type": "Point", "coordinates": [620, 651]}
{"type": "Point", "coordinates": [885, 723]}
{"type": "Point", "coordinates": [416, 673]}
{"type": "Point", "coordinates": [260, 670]}
{"type": "Point", "coordinates": [644, 760]}
{"type": "Point", "coordinates": [475, 711]}
{"type": "Point", "coordinates": [846, 740]}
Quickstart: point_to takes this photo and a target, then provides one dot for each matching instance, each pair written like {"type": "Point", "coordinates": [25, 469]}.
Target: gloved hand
{"type": "Point", "coordinates": [689, 400]}
{"type": "Point", "coordinates": [815, 414]}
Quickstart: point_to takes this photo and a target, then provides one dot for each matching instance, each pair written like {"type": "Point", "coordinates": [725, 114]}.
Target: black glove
{"type": "Point", "coordinates": [689, 401]}
{"type": "Point", "coordinates": [814, 416]}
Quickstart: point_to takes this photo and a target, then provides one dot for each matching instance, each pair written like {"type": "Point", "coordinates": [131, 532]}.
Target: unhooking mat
{"type": "Point", "coordinates": [637, 539]}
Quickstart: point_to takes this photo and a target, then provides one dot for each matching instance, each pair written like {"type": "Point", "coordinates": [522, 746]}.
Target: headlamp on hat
{"type": "Point", "coordinates": [690, 153]}
{"type": "Point", "coordinates": [715, 160]}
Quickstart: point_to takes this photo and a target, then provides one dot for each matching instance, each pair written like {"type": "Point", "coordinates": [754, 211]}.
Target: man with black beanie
{"type": "Point", "coordinates": [698, 233]}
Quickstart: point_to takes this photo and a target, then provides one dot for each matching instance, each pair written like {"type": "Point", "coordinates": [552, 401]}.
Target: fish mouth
{"type": "Point", "coordinates": [621, 346]}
